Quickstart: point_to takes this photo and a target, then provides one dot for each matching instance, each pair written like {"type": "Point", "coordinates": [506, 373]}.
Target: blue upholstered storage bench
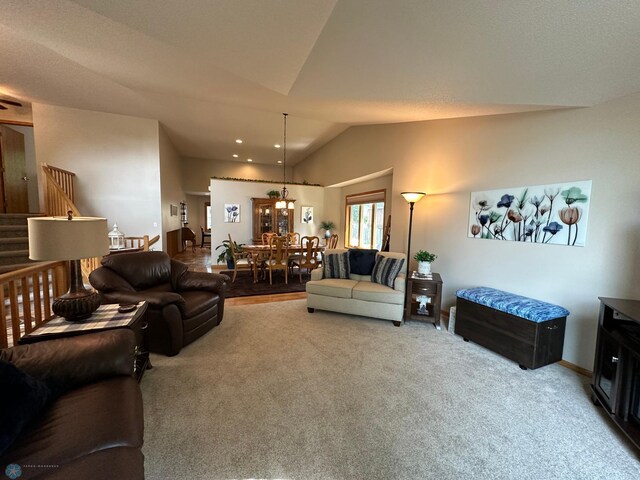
{"type": "Point", "coordinates": [527, 331]}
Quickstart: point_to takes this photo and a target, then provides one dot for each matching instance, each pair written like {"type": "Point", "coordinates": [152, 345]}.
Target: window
{"type": "Point", "coordinates": [207, 215]}
{"type": "Point", "coordinates": [365, 219]}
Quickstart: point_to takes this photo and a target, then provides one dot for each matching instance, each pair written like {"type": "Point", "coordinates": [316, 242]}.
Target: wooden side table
{"type": "Point", "coordinates": [106, 317]}
{"type": "Point", "coordinates": [424, 296]}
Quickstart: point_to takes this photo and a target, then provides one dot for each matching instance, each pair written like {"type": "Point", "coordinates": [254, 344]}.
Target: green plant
{"type": "Point", "coordinates": [226, 252]}
{"type": "Point", "coordinates": [424, 256]}
{"type": "Point", "coordinates": [327, 225]}
{"type": "Point", "coordinates": [273, 194]}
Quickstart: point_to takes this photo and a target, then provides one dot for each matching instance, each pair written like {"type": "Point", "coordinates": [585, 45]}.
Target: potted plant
{"type": "Point", "coordinates": [226, 252]}
{"type": "Point", "coordinates": [273, 194]}
{"type": "Point", "coordinates": [424, 260]}
{"type": "Point", "coordinates": [327, 226]}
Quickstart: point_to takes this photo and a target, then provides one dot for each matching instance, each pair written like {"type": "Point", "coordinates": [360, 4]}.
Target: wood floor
{"type": "Point", "coordinates": [201, 261]}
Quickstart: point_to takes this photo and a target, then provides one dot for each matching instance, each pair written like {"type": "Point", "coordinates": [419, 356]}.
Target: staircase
{"type": "Point", "coordinates": [14, 242]}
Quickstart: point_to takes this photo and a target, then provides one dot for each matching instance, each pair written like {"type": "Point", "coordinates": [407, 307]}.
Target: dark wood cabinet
{"type": "Point", "coordinates": [616, 371]}
{"type": "Point", "coordinates": [429, 290]}
{"type": "Point", "coordinates": [267, 218]}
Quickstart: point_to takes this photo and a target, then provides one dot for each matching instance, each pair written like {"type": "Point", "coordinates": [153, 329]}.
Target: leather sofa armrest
{"type": "Point", "coordinates": [400, 283]}
{"type": "Point", "coordinates": [316, 274]}
{"type": "Point", "coordinates": [104, 279]}
{"type": "Point", "coordinates": [211, 282]}
{"type": "Point", "coordinates": [155, 299]}
{"type": "Point", "coordinates": [66, 363]}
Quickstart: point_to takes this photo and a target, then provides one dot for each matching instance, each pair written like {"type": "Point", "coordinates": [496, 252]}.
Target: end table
{"type": "Point", "coordinates": [106, 317]}
{"type": "Point", "coordinates": [424, 296]}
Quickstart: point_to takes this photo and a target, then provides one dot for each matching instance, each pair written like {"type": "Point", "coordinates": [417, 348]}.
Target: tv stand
{"type": "Point", "coordinates": [616, 371]}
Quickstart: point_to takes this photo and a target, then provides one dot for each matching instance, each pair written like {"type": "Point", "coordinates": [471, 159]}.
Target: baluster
{"type": "Point", "coordinates": [26, 305]}
{"type": "Point", "coordinates": [4, 343]}
{"type": "Point", "coordinates": [15, 314]}
{"type": "Point", "coordinates": [37, 304]}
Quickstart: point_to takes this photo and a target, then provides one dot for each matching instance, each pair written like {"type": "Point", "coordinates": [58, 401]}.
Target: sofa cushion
{"type": "Point", "coordinates": [374, 292]}
{"type": "Point", "coordinates": [336, 265]}
{"type": "Point", "coordinates": [99, 416]}
{"type": "Point", "coordinates": [22, 399]}
{"type": "Point", "coordinates": [361, 261]}
{"type": "Point", "coordinates": [332, 287]}
{"type": "Point", "coordinates": [360, 278]}
{"type": "Point", "coordinates": [386, 270]}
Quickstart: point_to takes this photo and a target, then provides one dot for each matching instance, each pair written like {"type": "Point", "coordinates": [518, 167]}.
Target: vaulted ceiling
{"type": "Point", "coordinates": [215, 70]}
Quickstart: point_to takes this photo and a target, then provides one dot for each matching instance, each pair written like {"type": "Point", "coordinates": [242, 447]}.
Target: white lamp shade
{"type": "Point", "coordinates": [57, 238]}
{"type": "Point", "coordinates": [413, 197]}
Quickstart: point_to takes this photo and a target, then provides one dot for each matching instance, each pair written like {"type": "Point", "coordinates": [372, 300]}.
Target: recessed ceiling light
{"type": "Point", "coordinates": [249, 160]}
{"type": "Point", "coordinates": [235, 155]}
{"type": "Point", "coordinates": [238, 140]}
{"type": "Point", "coordinates": [279, 161]}
{"type": "Point", "coordinates": [277, 145]}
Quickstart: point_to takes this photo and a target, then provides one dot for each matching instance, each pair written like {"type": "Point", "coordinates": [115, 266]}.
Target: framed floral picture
{"type": "Point", "coordinates": [231, 213]}
{"type": "Point", "coordinates": [306, 214]}
{"type": "Point", "coordinates": [555, 213]}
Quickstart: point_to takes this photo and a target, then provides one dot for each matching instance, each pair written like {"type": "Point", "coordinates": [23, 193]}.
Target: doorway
{"type": "Point", "coordinates": [14, 179]}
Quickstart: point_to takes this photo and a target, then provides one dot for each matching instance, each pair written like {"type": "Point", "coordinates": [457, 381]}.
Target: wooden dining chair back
{"type": "Point", "coordinates": [294, 238]}
{"type": "Point", "coordinates": [333, 241]}
{"type": "Point", "coordinates": [205, 238]}
{"type": "Point", "coordinates": [241, 261]}
{"type": "Point", "coordinates": [266, 236]}
{"type": "Point", "coordinates": [188, 235]}
{"type": "Point", "coordinates": [278, 257]}
{"type": "Point", "coordinates": [309, 257]}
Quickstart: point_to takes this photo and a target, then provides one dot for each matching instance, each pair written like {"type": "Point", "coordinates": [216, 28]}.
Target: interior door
{"type": "Point", "coordinates": [14, 173]}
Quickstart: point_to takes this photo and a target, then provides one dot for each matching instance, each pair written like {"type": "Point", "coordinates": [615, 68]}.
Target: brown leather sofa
{"type": "Point", "coordinates": [183, 305]}
{"type": "Point", "coordinates": [94, 430]}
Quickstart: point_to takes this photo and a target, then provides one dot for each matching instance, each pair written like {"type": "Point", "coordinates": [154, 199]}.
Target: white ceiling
{"type": "Point", "coordinates": [215, 70]}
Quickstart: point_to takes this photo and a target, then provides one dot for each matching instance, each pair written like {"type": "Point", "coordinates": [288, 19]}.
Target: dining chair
{"type": "Point", "coordinates": [308, 258]}
{"type": "Point", "coordinates": [188, 235]}
{"type": "Point", "coordinates": [278, 257]}
{"type": "Point", "coordinates": [206, 237]}
{"type": "Point", "coordinates": [333, 241]}
{"type": "Point", "coordinates": [294, 238]}
{"type": "Point", "coordinates": [266, 236]}
{"type": "Point", "coordinates": [241, 261]}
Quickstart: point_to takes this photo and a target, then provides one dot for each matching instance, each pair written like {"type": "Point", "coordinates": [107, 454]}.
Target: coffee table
{"type": "Point", "coordinates": [106, 317]}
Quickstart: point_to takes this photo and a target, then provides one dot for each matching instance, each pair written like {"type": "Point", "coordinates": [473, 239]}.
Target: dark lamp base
{"type": "Point", "coordinates": [76, 306]}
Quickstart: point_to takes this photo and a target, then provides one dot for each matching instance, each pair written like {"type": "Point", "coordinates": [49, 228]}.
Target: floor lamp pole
{"type": "Point", "coordinates": [411, 198]}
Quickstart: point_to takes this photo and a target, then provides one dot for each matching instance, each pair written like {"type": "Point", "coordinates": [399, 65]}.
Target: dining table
{"type": "Point", "coordinates": [261, 252]}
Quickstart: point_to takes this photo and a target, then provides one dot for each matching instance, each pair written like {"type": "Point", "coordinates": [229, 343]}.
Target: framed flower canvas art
{"type": "Point", "coordinates": [231, 213]}
{"type": "Point", "coordinates": [555, 213]}
{"type": "Point", "coordinates": [306, 215]}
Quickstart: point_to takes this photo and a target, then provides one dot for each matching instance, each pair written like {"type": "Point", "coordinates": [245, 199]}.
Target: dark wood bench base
{"type": "Point", "coordinates": [530, 344]}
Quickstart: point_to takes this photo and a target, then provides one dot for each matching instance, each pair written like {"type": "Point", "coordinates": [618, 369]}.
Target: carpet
{"type": "Point", "coordinates": [276, 392]}
{"type": "Point", "coordinates": [244, 286]}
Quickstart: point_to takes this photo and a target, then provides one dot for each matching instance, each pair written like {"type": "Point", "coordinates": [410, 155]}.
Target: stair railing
{"type": "Point", "coordinates": [59, 193]}
{"type": "Point", "coordinates": [26, 296]}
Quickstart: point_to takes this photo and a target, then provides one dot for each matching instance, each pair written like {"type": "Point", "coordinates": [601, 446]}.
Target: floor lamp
{"type": "Point", "coordinates": [412, 198]}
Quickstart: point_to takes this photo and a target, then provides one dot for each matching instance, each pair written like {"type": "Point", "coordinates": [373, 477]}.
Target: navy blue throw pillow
{"type": "Point", "coordinates": [23, 397]}
{"type": "Point", "coordinates": [361, 262]}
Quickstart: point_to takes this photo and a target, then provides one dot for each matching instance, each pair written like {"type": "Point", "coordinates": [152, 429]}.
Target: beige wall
{"type": "Point", "coordinates": [171, 192]}
{"type": "Point", "coordinates": [450, 158]}
{"type": "Point", "coordinates": [115, 158]}
{"type": "Point", "coordinates": [226, 191]}
{"type": "Point", "coordinates": [198, 171]}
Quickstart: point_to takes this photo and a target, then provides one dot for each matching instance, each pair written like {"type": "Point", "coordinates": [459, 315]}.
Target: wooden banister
{"type": "Point", "coordinates": [26, 296]}
{"type": "Point", "coordinates": [58, 191]}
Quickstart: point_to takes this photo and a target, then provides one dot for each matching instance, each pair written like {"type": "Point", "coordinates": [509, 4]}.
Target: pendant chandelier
{"type": "Point", "coordinates": [284, 204]}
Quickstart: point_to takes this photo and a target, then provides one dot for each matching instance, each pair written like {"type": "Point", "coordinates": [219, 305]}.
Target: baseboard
{"type": "Point", "coordinates": [576, 368]}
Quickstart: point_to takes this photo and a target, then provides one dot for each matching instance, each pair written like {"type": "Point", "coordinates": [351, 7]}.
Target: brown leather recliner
{"type": "Point", "coordinates": [94, 428]}
{"type": "Point", "coordinates": [183, 305]}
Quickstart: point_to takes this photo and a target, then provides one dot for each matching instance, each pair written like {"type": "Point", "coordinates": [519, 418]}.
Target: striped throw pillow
{"type": "Point", "coordinates": [386, 270]}
{"type": "Point", "coordinates": [336, 265]}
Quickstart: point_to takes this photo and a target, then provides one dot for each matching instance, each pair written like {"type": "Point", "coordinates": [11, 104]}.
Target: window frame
{"type": "Point", "coordinates": [350, 201]}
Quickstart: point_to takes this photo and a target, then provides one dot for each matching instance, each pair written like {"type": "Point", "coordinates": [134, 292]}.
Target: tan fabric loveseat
{"type": "Point", "coordinates": [358, 295]}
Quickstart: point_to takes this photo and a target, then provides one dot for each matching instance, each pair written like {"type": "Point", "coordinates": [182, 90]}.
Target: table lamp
{"type": "Point", "coordinates": [70, 238]}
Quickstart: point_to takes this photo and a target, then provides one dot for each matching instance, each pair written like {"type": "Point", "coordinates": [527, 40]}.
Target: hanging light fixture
{"type": "Point", "coordinates": [284, 204]}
